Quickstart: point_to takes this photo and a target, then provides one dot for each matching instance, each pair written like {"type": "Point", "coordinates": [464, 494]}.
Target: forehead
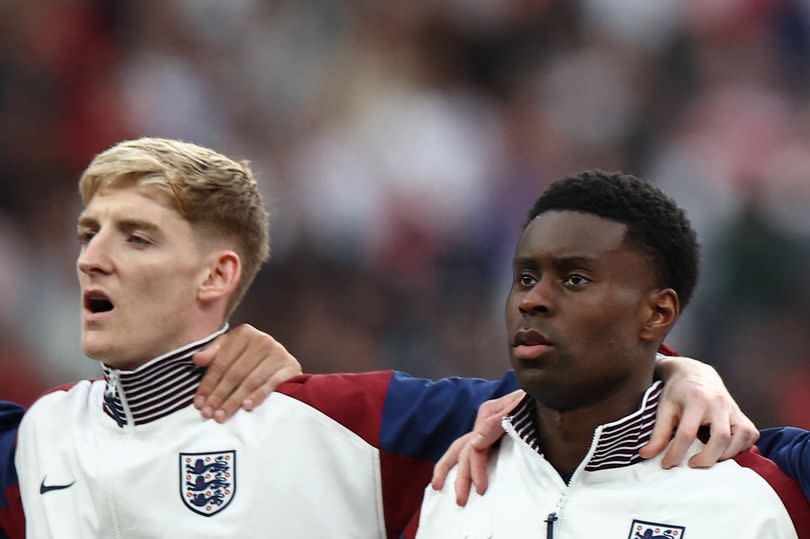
{"type": "Point", "coordinates": [572, 234]}
{"type": "Point", "coordinates": [130, 200]}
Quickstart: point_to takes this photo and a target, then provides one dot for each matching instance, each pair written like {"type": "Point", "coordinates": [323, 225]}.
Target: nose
{"type": "Point", "coordinates": [94, 257]}
{"type": "Point", "coordinates": [538, 299]}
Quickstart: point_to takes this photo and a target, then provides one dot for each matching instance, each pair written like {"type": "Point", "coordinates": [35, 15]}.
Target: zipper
{"type": "Point", "coordinates": [109, 458]}
{"type": "Point", "coordinates": [554, 516]}
{"type": "Point", "coordinates": [550, 520]}
{"type": "Point", "coordinates": [116, 390]}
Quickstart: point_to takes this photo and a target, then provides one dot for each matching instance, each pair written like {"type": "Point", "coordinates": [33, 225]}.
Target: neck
{"type": "Point", "coordinates": [566, 436]}
{"type": "Point", "coordinates": [190, 340]}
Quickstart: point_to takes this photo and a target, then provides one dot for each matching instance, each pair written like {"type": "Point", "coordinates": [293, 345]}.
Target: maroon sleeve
{"type": "Point", "coordinates": [788, 490]}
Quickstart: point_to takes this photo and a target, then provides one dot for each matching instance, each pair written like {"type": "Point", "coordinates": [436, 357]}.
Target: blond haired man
{"type": "Point", "coordinates": [172, 235]}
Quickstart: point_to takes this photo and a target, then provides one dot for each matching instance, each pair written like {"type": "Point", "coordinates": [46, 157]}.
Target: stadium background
{"type": "Point", "coordinates": [399, 145]}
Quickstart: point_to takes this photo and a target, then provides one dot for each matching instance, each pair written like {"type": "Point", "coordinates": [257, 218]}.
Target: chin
{"type": "Point", "coordinates": [532, 381]}
{"type": "Point", "coordinates": [96, 348]}
{"type": "Point", "coordinates": [541, 386]}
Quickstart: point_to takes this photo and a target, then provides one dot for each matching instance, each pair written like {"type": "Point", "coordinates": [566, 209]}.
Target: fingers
{"type": "Point", "coordinates": [203, 359]}
{"type": "Point", "coordinates": [217, 359]}
{"type": "Point", "coordinates": [665, 421]}
{"type": "Point", "coordinates": [463, 476]}
{"type": "Point", "coordinates": [744, 434]}
{"type": "Point", "coordinates": [470, 453]}
{"type": "Point", "coordinates": [477, 462]}
{"type": "Point", "coordinates": [252, 383]}
{"type": "Point", "coordinates": [243, 367]}
{"type": "Point", "coordinates": [261, 387]}
{"type": "Point", "coordinates": [684, 436]}
{"type": "Point", "coordinates": [232, 365]}
{"type": "Point", "coordinates": [448, 460]}
{"type": "Point", "coordinates": [719, 439]}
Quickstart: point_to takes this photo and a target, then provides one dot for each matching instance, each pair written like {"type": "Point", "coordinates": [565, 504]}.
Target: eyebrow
{"type": "Point", "coordinates": [85, 221]}
{"type": "Point", "coordinates": [525, 262]}
{"type": "Point", "coordinates": [563, 262]}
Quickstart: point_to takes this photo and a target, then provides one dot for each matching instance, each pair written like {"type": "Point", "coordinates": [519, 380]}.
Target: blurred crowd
{"type": "Point", "coordinates": [399, 146]}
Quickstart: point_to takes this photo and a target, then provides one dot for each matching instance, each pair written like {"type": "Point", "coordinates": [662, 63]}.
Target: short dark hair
{"type": "Point", "coordinates": [654, 222]}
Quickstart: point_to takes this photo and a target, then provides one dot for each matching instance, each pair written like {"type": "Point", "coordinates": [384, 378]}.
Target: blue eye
{"type": "Point", "coordinates": [138, 241]}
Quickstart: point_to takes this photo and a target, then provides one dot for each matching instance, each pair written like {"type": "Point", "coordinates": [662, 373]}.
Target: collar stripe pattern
{"type": "Point", "coordinates": [522, 419]}
{"type": "Point", "coordinates": [156, 389]}
{"type": "Point", "coordinates": [619, 441]}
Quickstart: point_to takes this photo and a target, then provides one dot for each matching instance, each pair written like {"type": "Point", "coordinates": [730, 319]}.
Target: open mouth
{"type": "Point", "coordinates": [97, 302]}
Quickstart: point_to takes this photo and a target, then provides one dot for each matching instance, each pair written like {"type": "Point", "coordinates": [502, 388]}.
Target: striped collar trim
{"type": "Point", "coordinates": [156, 389]}
{"type": "Point", "coordinates": [618, 442]}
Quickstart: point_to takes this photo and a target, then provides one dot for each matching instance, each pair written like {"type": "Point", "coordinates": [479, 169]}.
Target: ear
{"type": "Point", "coordinates": [663, 307]}
{"type": "Point", "coordinates": [222, 276]}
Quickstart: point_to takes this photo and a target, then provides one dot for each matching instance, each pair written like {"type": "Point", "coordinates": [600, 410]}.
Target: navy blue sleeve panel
{"type": "Point", "coordinates": [10, 417]}
{"type": "Point", "coordinates": [421, 418]}
{"type": "Point", "coordinates": [789, 448]}
{"type": "Point", "coordinates": [11, 517]}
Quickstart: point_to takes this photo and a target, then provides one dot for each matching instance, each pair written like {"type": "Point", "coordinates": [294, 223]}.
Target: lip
{"type": "Point", "coordinates": [529, 337]}
{"type": "Point", "coordinates": [534, 351]}
{"type": "Point", "coordinates": [529, 343]}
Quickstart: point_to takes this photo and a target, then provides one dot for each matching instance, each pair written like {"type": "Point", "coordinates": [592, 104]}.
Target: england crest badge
{"type": "Point", "coordinates": [207, 481]}
{"type": "Point", "coordinates": [641, 529]}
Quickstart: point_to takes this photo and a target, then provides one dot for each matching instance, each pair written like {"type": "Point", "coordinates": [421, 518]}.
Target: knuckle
{"type": "Point", "coordinates": [718, 400]}
{"type": "Point", "coordinates": [244, 328]}
{"type": "Point", "coordinates": [268, 342]}
{"type": "Point", "coordinates": [216, 369]}
{"type": "Point", "coordinates": [235, 375]}
{"type": "Point", "coordinates": [215, 399]}
{"type": "Point", "coordinates": [254, 381]}
{"type": "Point", "coordinates": [722, 438]}
{"type": "Point", "coordinates": [683, 437]}
{"type": "Point", "coordinates": [697, 395]}
{"type": "Point", "coordinates": [260, 394]}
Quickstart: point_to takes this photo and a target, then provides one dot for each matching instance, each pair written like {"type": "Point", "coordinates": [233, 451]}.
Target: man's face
{"type": "Point", "coordinates": [139, 267]}
{"type": "Point", "coordinates": [576, 308]}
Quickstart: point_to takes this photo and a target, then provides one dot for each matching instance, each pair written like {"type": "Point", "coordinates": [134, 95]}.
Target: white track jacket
{"type": "Point", "coordinates": [614, 494]}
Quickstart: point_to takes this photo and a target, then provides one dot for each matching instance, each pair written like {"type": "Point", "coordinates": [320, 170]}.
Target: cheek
{"type": "Point", "coordinates": [164, 284]}
{"type": "Point", "coordinates": [611, 319]}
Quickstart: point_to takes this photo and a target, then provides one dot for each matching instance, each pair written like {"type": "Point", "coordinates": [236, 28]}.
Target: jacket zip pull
{"type": "Point", "coordinates": [550, 520]}
{"type": "Point", "coordinates": [109, 398]}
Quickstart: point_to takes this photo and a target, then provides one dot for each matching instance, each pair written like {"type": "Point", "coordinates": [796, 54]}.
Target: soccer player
{"type": "Point", "coordinates": [601, 272]}
{"type": "Point", "coordinates": [172, 234]}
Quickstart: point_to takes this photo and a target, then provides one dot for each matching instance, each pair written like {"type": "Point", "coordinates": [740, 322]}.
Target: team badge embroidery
{"type": "Point", "coordinates": [207, 481]}
{"type": "Point", "coordinates": [641, 529]}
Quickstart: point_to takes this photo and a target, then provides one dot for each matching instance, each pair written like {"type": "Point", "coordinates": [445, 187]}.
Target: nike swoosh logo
{"type": "Point", "coordinates": [43, 488]}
